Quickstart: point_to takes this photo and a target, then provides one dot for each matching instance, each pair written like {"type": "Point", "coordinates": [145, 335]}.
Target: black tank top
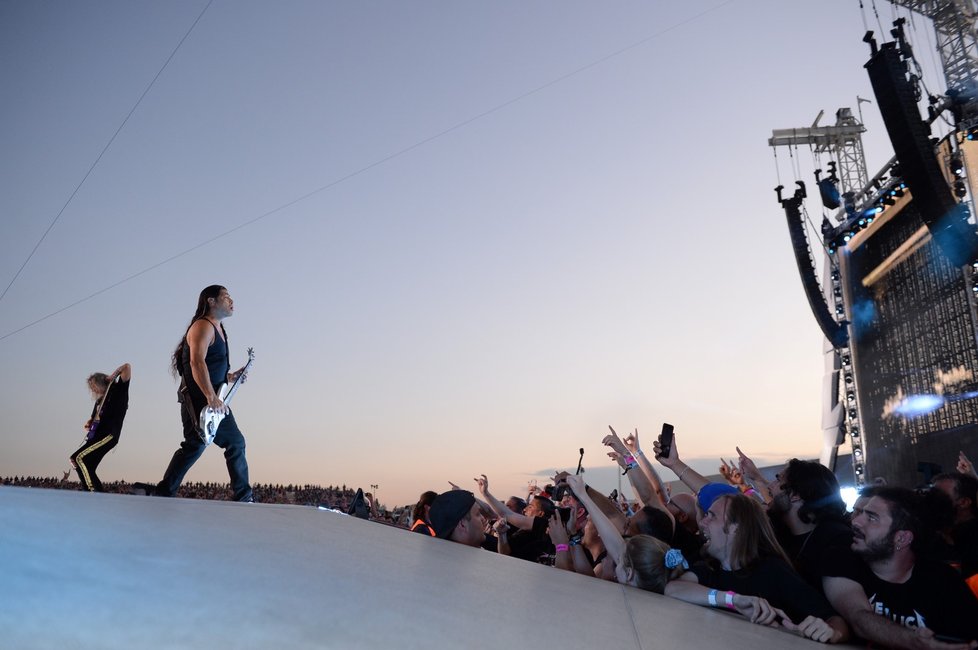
{"type": "Point", "coordinates": [217, 360]}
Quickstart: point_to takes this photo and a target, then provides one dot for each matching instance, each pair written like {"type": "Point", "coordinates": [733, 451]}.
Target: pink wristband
{"type": "Point", "coordinates": [728, 600]}
{"type": "Point", "coordinates": [562, 547]}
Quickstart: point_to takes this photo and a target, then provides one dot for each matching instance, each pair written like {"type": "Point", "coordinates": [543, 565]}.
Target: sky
{"type": "Point", "coordinates": [462, 238]}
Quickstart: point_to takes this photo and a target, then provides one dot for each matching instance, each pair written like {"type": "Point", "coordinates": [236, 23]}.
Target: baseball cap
{"type": "Point", "coordinates": [711, 491]}
{"type": "Point", "coordinates": [448, 509]}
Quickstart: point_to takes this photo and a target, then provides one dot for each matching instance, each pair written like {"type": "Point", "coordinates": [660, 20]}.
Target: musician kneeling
{"type": "Point", "coordinates": [201, 360]}
{"type": "Point", "coordinates": [111, 394]}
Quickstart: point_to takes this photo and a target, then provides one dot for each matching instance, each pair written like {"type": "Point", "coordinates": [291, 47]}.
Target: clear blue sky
{"type": "Point", "coordinates": [597, 243]}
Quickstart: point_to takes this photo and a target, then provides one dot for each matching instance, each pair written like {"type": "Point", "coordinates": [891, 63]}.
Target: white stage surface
{"type": "Point", "coordinates": [100, 571]}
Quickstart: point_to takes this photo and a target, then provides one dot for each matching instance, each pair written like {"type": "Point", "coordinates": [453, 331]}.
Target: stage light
{"type": "Point", "coordinates": [854, 432]}
{"type": "Point", "coordinates": [845, 359]}
{"type": "Point", "coordinates": [848, 380]}
{"type": "Point", "coordinates": [851, 396]}
{"type": "Point", "coordinates": [889, 201]}
{"type": "Point", "coordinates": [853, 414]}
{"type": "Point", "coordinates": [960, 190]}
{"type": "Point", "coordinates": [857, 454]}
{"type": "Point", "coordinates": [957, 167]}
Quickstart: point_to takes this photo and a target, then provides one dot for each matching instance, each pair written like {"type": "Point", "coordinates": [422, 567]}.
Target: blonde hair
{"type": "Point", "coordinates": [755, 538]}
{"type": "Point", "coordinates": [99, 379]}
{"type": "Point", "coordinates": [646, 557]}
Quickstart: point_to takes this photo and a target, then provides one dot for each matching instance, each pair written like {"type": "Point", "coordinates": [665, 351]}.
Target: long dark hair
{"type": "Point", "coordinates": [426, 500]}
{"type": "Point", "coordinates": [213, 291]}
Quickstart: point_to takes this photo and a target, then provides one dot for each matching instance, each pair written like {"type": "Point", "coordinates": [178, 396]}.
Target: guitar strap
{"type": "Point", "coordinates": [183, 396]}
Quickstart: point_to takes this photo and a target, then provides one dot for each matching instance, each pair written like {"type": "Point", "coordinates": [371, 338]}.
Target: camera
{"type": "Point", "coordinates": [560, 490]}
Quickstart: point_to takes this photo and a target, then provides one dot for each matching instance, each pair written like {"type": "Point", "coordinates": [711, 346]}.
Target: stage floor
{"type": "Point", "coordinates": [101, 571]}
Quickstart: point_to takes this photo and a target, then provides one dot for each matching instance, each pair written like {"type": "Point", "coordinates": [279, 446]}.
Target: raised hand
{"type": "Point", "coordinates": [672, 459]}
{"type": "Point", "coordinates": [965, 466]}
{"type": "Point", "coordinates": [483, 484]}
{"type": "Point", "coordinates": [612, 440]}
{"type": "Point", "coordinates": [748, 468]}
{"type": "Point", "coordinates": [731, 473]}
{"type": "Point", "coordinates": [631, 441]}
{"type": "Point", "coordinates": [577, 486]}
{"type": "Point", "coordinates": [559, 477]}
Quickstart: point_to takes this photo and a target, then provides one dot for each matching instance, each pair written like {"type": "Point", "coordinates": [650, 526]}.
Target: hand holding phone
{"type": "Point", "coordinates": [665, 441]}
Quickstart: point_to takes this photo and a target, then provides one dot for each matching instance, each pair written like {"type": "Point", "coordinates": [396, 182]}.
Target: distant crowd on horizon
{"type": "Point", "coordinates": [333, 497]}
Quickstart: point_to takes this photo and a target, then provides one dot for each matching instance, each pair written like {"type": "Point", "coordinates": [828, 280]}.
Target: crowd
{"type": "Point", "coordinates": [898, 571]}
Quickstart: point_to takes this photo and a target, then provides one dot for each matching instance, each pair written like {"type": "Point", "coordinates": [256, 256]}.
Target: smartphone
{"type": "Point", "coordinates": [565, 513]}
{"type": "Point", "coordinates": [665, 441]}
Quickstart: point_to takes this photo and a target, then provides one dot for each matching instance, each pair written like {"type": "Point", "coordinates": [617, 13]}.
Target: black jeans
{"type": "Point", "coordinates": [87, 458]}
{"type": "Point", "coordinates": [228, 438]}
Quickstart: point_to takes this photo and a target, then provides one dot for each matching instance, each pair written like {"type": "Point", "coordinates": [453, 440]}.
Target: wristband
{"type": "Point", "coordinates": [562, 547]}
{"type": "Point", "coordinates": [638, 452]}
{"type": "Point", "coordinates": [728, 600]}
{"type": "Point", "coordinates": [712, 597]}
{"type": "Point", "coordinates": [575, 539]}
{"type": "Point", "coordinates": [683, 473]}
{"type": "Point", "coordinates": [750, 491]}
{"type": "Point", "coordinates": [629, 460]}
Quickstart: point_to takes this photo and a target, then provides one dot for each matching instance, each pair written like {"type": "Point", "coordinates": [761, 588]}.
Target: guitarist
{"type": "Point", "coordinates": [201, 360]}
{"type": "Point", "coordinates": [111, 393]}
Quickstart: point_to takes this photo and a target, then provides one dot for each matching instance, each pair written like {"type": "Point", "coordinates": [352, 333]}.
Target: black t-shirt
{"type": "Point", "coordinates": [687, 542]}
{"type": "Point", "coordinates": [533, 544]}
{"type": "Point", "coordinates": [811, 551]}
{"type": "Point", "coordinates": [934, 597]}
{"type": "Point", "coordinates": [772, 579]}
{"type": "Point", "coordinates": [113, 410]}
{"type": "Point", "coordinates": [965, 536]}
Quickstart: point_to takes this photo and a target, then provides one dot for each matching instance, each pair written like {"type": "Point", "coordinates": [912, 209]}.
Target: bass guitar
{"type": "Point", "coordinates": [211, 419]}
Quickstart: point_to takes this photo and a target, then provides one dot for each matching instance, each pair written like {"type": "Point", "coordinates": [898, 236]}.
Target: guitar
{"type": "Point", "coordinates": [211, 419]}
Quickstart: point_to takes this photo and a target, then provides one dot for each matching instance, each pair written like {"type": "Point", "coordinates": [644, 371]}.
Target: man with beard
{"type": "Point", "coordinates": [888, 594]}
{"type": "Point", "coordinates": [807, 512]}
